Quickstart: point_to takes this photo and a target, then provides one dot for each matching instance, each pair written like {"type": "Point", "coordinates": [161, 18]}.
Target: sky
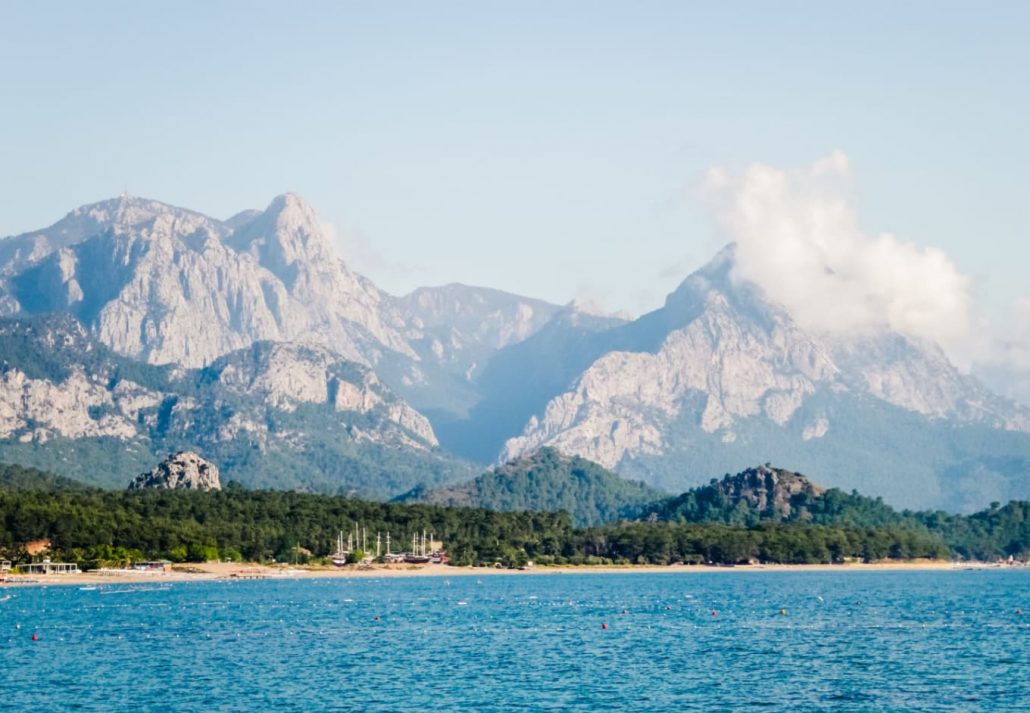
{"type": "Point", "coordinates": [558, 150]}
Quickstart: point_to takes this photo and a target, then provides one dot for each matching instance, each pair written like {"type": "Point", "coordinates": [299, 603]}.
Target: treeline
{"type": "Point", "coordinates": [99, 528]}
{"type": "Point", "coordinates": [104, 528]}
{"type": "Point", "coordinates": [667, 543]}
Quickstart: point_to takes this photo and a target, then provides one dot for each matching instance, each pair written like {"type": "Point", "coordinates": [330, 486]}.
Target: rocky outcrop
{"type": "Point", "coordinates": [768, 490]}
{"type": "Point", "coordinates": [181, 471]}
{"type": "Point", "coordinates": [285, 376]}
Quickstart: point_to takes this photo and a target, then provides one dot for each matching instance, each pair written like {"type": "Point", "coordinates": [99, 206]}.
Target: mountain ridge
{"type": "Point", "coordinates": [717, 376]}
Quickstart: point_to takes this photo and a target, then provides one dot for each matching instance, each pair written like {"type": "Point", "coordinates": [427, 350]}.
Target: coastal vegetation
{"type": "Point", "coordinates": [96, 527]}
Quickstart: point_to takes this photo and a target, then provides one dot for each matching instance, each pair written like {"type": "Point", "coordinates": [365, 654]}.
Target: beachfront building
{"type": "Point", "coordinates": [153, 566]}
{"type": "Point", "coordinates": [48, 567]}
{"type": "Point", "coordinates": [5, 566]}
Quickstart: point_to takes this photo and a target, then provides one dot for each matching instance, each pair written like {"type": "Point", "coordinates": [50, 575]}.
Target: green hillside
{"type": "Point", "coordinates": [548, 481]}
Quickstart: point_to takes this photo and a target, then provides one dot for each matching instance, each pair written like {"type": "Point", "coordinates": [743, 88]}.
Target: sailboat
{"type": "Point", "coordinates": [339, 558]}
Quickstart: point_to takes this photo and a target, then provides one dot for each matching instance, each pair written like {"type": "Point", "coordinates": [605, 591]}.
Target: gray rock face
{"type": "Point", "coordinates": [57, 382]}
{"type": "Point", "coordinates": [182, 471]}
{"type": "Point", "coordinates": [730, 357]}
{"type": "Point", "coordinates": [169, 285]}
{"type": "Point", "coordinates": [719, 375]}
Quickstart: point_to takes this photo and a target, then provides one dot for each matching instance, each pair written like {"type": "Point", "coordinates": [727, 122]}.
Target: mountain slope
{"type": "Point", "coordinates": [271, 415]}
{"type": "Point", "coordinates": [519, 379]}
{"type": "Point", "coordinates": [168, 285]}
{"type": "Point", "coordinates": [720, 376]}
{"type": "Point", "coordinates": [547, 481]}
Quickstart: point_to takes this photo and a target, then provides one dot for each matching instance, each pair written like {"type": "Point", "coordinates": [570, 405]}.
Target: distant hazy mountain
{"type": "Point", "coordinates": [518, 380]}
{"type": "Point", "coordinates": [718, 376]}
{"type": "Point", "coordinates": [548, 481]}
{"type": "Point", "coordinates": [270, 415]}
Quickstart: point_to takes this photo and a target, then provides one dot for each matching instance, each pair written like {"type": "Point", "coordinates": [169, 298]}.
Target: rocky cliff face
{"type": "Point", "coordinates": [169, 285]}
{"type": "Point", "coordinates": [312, 417]}
{"type": "Point", "coordinates": [181, 471]}
{"type": "Point", "coordinates": [172, 286]}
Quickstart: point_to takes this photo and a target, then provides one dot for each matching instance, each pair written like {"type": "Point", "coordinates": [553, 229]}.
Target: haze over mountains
{"type": "Point", "coordinates": [267, 337]}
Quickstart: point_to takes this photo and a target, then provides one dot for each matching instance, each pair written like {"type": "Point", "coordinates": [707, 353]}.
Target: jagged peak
{"type": "Point", "coordinates": [286, 238]}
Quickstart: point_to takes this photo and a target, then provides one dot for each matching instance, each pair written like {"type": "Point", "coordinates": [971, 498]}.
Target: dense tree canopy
{"type": "Point", "coordinates": [97, 527]}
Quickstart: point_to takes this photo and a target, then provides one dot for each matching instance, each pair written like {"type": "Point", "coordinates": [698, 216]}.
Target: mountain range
{"type": "Point", "coordinates": [131, 327]}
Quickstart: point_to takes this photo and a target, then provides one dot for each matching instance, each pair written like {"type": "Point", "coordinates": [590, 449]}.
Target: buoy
{"type": "Point", "coordinates": [783, 612]}
{"type": "Point", "coordinates": [604, 625]}
{"type": "Point", "coordinates": [35, 637]}
{"type": "Point", "coordinates": [714, 612]}
{"type": "Point", "coordinates": [377, 618]}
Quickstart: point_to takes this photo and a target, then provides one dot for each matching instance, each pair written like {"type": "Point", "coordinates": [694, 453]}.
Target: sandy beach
{"type": "Point", "coordinates": [213, 571]}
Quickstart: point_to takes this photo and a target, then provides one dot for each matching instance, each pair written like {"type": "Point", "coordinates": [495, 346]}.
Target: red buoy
{"type": "Point", "coordinates": [604, 626]}
{"type": "Point", "coordinates": [35, 637]}
{"type": "Point", "coordinates": [714, 612]}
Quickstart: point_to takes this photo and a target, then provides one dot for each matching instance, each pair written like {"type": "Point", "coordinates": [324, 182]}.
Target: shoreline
{"type": "Point", "coordinates": [224, 571]}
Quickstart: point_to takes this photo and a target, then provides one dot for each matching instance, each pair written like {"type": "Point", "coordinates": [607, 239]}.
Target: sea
{"type": "Point", "coordinates": [705, 641]}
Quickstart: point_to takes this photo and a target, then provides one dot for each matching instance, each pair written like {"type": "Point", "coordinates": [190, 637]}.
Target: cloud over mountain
{"type": "Point", "coordinates": [799, 238]}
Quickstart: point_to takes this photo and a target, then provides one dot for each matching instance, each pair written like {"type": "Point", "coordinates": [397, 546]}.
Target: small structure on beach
{"type": "Point", "coordinates": [153, 566]}
{"type": "Point", "coordinates": [48, 567]}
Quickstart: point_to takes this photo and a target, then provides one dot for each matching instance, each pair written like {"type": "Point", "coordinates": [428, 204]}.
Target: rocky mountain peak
{"type": "Point", "coordinates": [287, 239]}
{"type": "Point", "coordinates": [185, 470]}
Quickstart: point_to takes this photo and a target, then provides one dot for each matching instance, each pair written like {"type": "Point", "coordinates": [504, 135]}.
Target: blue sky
{"type": "Point", "coordinates": [551, 149]}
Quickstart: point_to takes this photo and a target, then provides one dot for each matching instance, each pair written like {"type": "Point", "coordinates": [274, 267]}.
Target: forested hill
{"type": "Point", "coordinates": [548, 481]}
{"type": "Point", "coordinates": [16, 477]}
{"type": "Point", "coordinates": [765, 493]}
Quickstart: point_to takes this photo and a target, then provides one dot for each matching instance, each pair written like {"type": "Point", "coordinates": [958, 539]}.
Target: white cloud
{"type": "Point", "coordinates": [799, 238]}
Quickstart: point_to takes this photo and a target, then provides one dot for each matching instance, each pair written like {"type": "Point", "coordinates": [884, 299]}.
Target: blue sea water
{"type": "Point", "coordinates": [849, 641]}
